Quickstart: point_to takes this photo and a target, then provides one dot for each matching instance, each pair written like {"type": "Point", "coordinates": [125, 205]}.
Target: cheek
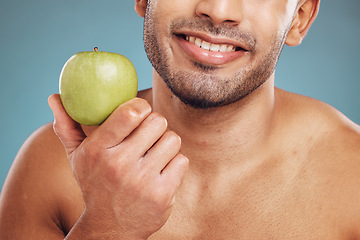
{"type": "Point", "coordinates": [268, 20]}
{"type": "Point", "coordinates": [172, 9]}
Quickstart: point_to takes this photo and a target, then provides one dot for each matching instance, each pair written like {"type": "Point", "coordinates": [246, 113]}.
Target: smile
{"type": "Point", "coordinates": [213, 47]}
{"type": "Point", "coordinates": [210, 46]}
{"type": "Point", "coordinates": [208, 50]}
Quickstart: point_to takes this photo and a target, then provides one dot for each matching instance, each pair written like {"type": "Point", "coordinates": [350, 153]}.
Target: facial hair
{"type": "Point", "coordinates": [205, 88]}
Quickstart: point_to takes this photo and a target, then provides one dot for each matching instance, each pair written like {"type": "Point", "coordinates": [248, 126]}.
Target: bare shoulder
{"type": "Point", "coordinates": [320, 120]}
{"type": "Point", "coordinates": [327, 129]}
{"type": "Point", "coordinates": [333, 153]}
{"type": "Point", "coordinates": [39, 191]}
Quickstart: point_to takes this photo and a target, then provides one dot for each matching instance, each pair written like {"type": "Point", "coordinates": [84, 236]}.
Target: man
{"type": "Point", "coordinates": [253, 162]}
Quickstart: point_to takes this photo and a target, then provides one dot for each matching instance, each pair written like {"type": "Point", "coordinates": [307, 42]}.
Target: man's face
{"type": "Point", "coordinates": [212, 53]}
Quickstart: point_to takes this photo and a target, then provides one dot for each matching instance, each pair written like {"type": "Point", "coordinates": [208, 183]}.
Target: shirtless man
{"type": "Point", "coordinates": [261, 163]}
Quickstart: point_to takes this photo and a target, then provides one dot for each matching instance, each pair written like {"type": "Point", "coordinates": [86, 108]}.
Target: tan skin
{"type": "Point", "coordinates": [274, 165]}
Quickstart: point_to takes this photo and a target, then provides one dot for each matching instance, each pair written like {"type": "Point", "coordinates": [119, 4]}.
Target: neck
{"type": "Point", "coordinates": [216, 139]}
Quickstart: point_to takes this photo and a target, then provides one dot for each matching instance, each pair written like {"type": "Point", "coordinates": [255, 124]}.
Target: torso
{"type": "Point", "coordinates": [308, 188]}
{"type": "Point", "coordinates": [296, 204]}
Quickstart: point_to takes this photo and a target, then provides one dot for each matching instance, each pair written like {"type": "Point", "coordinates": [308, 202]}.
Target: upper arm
{"type": "Point", "coordinates": [32, 199]}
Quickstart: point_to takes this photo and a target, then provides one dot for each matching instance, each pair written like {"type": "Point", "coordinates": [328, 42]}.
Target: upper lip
{"type": "Point", "coordinates": [215, 40]}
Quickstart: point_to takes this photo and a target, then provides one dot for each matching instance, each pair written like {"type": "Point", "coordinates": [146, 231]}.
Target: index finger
{"type": "Point", "coordinates": [122, 122]}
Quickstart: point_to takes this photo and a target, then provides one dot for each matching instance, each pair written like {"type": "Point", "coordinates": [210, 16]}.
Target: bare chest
{"type": "Point", "coordinates": [264, 205]}
{"type": "Point", "coordinates": [289, 212]}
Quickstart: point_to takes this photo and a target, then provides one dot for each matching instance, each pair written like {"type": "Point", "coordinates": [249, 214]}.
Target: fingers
{"type": "Point", "coordinates": [162, 152]}
{"type": "Point", "coordinates": [122, 122]}
{"type": "Point", "coordinates": [174, 172]}
{"type": "Point", "coordinates": [69, 131]}
{"type": "Point", "coordinates": [129, 162]}
{"type": "Point", "coordinates": [132, 125]}
{"type": "Point", "coordinates": [145, 136]}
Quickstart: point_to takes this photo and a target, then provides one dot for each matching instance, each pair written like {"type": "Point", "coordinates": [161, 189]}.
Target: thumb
{"type": "Point", "coordinates": [69, 131]}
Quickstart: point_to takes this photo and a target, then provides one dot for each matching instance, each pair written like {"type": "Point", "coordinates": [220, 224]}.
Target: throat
{"type": "Point", "coordinates": [215, 148]}
{"type": "Point", "coordinates": [220, 136]}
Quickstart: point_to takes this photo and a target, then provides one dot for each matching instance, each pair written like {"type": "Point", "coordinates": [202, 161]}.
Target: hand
{"type": "Point", "coordinates": [128, 170]}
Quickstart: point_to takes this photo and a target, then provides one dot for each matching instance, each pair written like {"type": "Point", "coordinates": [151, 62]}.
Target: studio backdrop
{"type": "Point", "coordinates": [38, 36]}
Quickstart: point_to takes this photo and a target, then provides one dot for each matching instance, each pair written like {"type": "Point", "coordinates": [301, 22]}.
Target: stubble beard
{"type": "Point", "coordinates": [204, 88]}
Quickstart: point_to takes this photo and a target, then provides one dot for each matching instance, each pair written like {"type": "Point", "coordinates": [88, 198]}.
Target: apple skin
{"type": "Point", "coordinates": [93, 84]}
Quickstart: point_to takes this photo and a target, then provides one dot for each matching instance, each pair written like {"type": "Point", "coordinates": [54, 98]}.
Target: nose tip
{"type": "Point", "coordinates": [224, 11]}
{"type": "Point", "coordinates": [217, 20]}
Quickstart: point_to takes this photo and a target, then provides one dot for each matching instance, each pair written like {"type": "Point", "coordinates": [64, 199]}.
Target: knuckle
{"type": "Point", "coordinates": [130, 115]}
{"type": "Point", "coordinates": [90, 151]}
{"type": "Point", "coordinates": [160, 119]}
{"type": "Point", "coordinates": [162, 198]}
{"type": "Point", "coordinates": [142, 102]}
{"type": "Point", "coordinates": [139, 105]}
{"type": "Point", "coordinates": [114, 172]}
{"type": "Point", "coordinates": [174, 138]}
{"type": "Point", "coordinates": [109, 134]}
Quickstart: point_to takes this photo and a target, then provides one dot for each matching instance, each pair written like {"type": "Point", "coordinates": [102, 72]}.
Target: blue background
{"type": "Point", "coordinates": [38, 36]}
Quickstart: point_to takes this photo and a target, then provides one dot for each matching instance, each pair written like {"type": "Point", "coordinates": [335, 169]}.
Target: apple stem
{"type": "Point", "coordinates": [95, 49]}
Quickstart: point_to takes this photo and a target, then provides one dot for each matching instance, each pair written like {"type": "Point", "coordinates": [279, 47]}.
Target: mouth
{"type": "Point", "coordinates": [211, 51]}
{"type": "Point", "coordinates": [213, 47]}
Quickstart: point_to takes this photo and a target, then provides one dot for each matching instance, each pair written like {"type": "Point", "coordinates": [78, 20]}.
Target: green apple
{"type": "Point", "coordinates": [93, 84]}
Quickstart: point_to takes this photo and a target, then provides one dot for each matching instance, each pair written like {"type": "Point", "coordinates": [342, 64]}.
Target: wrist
{"type": "Point", "coordinates": [90, 227]}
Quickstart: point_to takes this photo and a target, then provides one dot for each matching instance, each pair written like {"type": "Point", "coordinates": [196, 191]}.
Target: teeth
{"type": "Point", "coordinates": [192, 40]}
{"type": "Point", "coordinates": [230, 49]}
{"type": "Point", "coordinates": [198, 42]}
{"type": "Point", "coordinates": [223, 48]}
{"type": "Point", "coordinates": [215, 48]}
{"type": "Point", "coordinates": [205, 45]}
{"type": "Point", "coordinates": [211, 47]}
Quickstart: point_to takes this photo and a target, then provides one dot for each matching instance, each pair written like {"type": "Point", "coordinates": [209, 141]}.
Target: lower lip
{"type": "Point", "coordinates": [209, 57]}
